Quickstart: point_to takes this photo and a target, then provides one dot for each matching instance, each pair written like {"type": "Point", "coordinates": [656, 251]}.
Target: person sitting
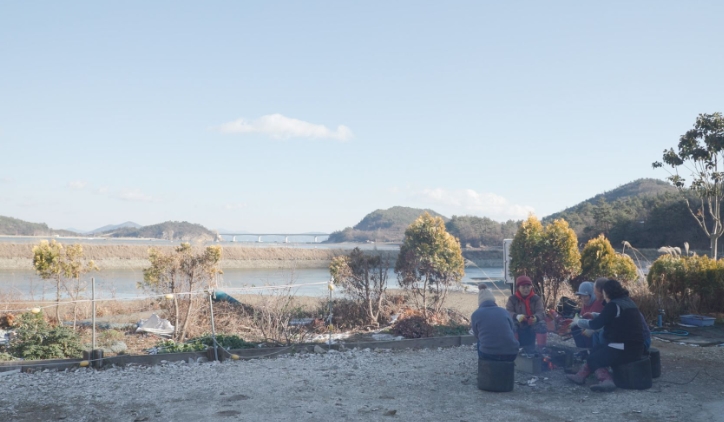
{"type": "Point", "coordinates": [590, 303]}
{"type": "Point", "coordinates": [597, 336]}
{"type": "Point", "coordinates": [622, 331]}
{"type": "Point", "coordinates": [526, 309]}
{"type": "Point", "coordinates": [493, 328]}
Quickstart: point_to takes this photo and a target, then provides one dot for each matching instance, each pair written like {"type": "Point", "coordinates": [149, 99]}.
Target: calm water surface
{"type": "Point", "coordinates": [25, 284]}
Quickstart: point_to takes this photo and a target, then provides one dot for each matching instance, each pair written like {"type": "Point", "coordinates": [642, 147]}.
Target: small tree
{"type": "Point", "coordinates": [430, 261]}
{"type": "Point", "coordinates": [701, 152]}
{"type": "Point", "coordinates": [181, 272]}
{"type": "Point", "coordinates": [599, 259]}
{"type": "Point", "coordinates": [364, 278]}
{"type": "Point", "coordinates": [53, 262]}
{"type": "Point", "coordinates": [548, 255]}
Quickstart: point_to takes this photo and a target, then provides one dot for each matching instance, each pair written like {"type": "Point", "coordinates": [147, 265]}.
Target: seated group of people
{"type": "Point", "coordinates": [610, 325]}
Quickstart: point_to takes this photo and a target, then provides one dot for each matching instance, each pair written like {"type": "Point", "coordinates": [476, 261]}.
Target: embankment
{"type": "Point", "coordinates": [20, 256]}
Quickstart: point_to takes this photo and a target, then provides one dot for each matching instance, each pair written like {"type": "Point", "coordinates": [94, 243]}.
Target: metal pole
{"type": "Point", "coordinates": [93, 301]}
{"type": "Point", "coordinates": [213, 327]}
{"type": "Point", "coordinates": [329, 323]}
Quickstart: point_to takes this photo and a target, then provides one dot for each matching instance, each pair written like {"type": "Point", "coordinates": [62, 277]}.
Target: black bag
{"type": "Point", "coordinates": [567, 307]}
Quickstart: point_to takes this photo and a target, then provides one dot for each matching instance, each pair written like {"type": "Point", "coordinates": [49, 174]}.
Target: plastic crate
{"type": "Point", "coordinates": [698, 320]}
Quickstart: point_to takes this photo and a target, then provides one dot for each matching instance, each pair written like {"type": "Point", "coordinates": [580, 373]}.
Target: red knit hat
{"type": "Point", "coordinates": [523, 280]}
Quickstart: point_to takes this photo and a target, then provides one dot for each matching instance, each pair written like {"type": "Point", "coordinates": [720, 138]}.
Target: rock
{"type": "Point", "coordinates": [319, 350]}
{"type": "Point", "coordinates": [119, 347]}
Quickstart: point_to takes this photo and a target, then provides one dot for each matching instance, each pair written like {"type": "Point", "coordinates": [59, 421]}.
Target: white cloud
{"type": "Point", "coordinates": [282, 127]}
{"type": "Point", "coordinates": [134, 195]}
{"type": "Point", "coordinates": [102, 190]}
{"type": "Point", "coordinates": [77, 184]}
{"type": "Point", "coordinates": [6, 180]}
{"type": "Point", "coordinates": [231, 207]}
{"type": "Point", "coordinates": [468, 201]}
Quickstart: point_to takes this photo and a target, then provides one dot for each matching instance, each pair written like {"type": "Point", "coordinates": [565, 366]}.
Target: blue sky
{"type": "Point", "coordinates": [301, 116]}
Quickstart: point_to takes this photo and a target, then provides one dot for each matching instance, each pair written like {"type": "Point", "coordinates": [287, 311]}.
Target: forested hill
{"type": "Point", "coordinates": [10, 226]}
{"type": "Point", "coordinates": [637, 188]}
{"type": "Point", "coordinates": [647, 213]}
{"type": "Point", "coordinates": [382, 225]}
{"type": "Point", "coordinates": [170, 230]}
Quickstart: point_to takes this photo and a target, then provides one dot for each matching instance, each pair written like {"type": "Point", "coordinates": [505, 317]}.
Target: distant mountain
{"type": "Point", "coordinates": [170, 230]}
{"type": "Point", "coordinates": [10, 226]}
{"type": "Point", "coordinates": [647, 213]}
{"type": "Point", "coordinates": [637, 188]}
{"type": "Point", "coordinates": [382, 225]}
{"type": "Point", "coordinates": [15, 227]}
{"type": "Point", "coordinates": [110, 227]}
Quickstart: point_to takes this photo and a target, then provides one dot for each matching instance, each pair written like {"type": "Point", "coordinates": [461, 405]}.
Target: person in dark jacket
{"type": "Point", "coordinates": [526, 309]}
{"type": "Point", "coordinates": [622, 331]}
{"type": "Point", "coordinates": [493, 328]}
{"type": "Point", "coordinates": [598, 335]}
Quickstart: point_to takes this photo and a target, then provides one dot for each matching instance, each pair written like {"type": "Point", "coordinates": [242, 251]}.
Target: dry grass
{"type": "Point", "coordinates": [101, 252]}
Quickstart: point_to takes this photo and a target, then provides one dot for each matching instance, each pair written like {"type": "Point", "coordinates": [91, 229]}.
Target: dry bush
{"type": "Point", "coordinates": [273, 316]}
{"type": "Point", "coordinates": [644, 299]}
{"type": "Point", "coordinates": [413, 327]}
{"type": "Point", "coordinates": [229, 318]}
{"type": "Point", "coordinates": [348, 314]}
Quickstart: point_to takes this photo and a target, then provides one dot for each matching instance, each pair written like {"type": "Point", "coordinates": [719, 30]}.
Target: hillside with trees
{"type": "Point", "coordinates": [169, 230]}
{"type": "Point", "coordinates": [480, 231]}
{"type": "Point", "coordinates": [382, 225]}
{"type": "Point", "coordinates": [10, 226]}
{"type": "Point", "coordinates": [647, 213]}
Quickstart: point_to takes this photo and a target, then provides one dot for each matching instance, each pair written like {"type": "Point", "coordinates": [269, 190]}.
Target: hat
{"type": "Point", "coordinates": [484, 294]}
{"type": "Point", "coordinates": [523, 280]}
{"type": "Point", "coordinates": [586, 288]}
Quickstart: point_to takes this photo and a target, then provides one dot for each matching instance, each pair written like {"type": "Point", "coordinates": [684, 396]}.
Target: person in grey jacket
{"type": "Point", "coordinates": [494, 329]}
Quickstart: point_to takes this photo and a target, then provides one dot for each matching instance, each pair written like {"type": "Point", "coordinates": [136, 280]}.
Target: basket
{"type": "Point", "coordinates": [698, 320]}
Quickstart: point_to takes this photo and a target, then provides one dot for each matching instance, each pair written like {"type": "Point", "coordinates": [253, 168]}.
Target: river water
{"type": "Point", "coordinates": [122, 283]}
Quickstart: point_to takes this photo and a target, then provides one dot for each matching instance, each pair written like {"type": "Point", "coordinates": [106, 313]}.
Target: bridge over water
{"type": "Point", "coordinates": [260, 236]}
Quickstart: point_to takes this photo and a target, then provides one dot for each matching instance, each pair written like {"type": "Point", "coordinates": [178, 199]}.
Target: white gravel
{"type": "Point", "coordinates": [357, 385]}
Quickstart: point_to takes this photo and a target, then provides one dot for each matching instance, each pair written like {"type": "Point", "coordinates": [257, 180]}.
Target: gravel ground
{"type": "Point", "coordinates": [358, 385]}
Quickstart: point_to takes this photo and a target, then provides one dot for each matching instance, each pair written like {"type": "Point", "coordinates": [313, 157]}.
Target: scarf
{"type": "Point", "coordinates": [526, 301]}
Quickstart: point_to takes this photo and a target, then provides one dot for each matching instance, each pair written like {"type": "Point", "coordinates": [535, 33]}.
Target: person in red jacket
{"type": "Point", "coordinates": [526, 309]}
{"type": "Point", "coordinates": [590, 304]}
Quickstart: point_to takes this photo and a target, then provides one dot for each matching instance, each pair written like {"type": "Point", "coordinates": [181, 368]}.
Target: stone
{"type": "Point", "coordinates": [119, 347]}
{"type": "Point", "coordinates": [319, 350]}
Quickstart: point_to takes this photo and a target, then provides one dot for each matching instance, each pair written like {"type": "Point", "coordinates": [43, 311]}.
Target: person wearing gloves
{"type": "Point", "coordinates": [526, 309]}
{"type": "Point", "coordinates": [590, 305]}
{"type": "Point", "coordinates": [493, 328]}
{"type": "Point", "coordinates": [598, 335]}
{"type": "Point", "coordinates": [622, 331]}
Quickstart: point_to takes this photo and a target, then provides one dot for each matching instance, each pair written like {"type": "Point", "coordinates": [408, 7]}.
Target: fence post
{"type": "Point", "coordinates": [93, 316]}
{"type": "Point", "coordinates": [213, 327]}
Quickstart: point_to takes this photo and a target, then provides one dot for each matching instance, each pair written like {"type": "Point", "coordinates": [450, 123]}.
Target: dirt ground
{"type": "Point", "coordinates": [363, 385]}
{"type": "Point", "coordinates": [359, 385]}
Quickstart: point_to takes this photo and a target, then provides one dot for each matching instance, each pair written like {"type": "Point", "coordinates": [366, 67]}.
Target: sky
{"type": "Point", "coordinates": [305, 116]}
